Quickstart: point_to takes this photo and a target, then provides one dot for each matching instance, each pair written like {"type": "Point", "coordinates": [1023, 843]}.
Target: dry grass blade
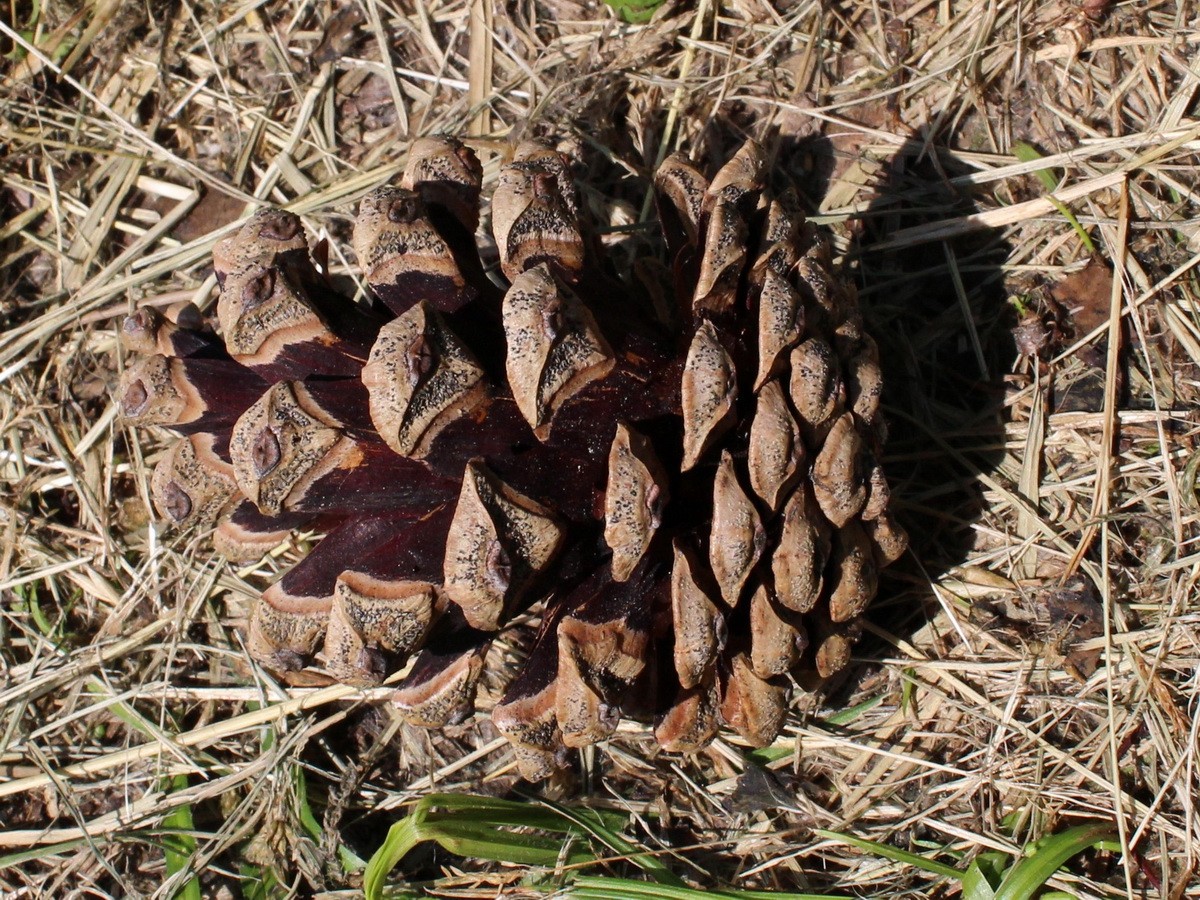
{"type": "Point", "coordinates": [479, 65]}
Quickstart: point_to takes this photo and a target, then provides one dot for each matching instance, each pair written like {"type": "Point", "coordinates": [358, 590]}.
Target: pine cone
{"type": "Point", "coordinates": [682, 471]}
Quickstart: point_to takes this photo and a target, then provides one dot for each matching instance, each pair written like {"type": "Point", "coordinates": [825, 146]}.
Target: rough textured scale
{"type": "Point", "coordinates": [680, 488]}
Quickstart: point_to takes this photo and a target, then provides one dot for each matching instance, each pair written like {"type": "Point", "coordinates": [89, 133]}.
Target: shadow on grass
{"type": "Point", "coordinates": [940, 313]}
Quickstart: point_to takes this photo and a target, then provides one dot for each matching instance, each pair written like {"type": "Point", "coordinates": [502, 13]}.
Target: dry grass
{"type": "Point", "coordinates": [134, 134]}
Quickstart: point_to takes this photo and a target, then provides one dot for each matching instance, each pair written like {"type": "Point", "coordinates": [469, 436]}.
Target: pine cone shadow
{"type": "Point", "coordinates": [944, 374]}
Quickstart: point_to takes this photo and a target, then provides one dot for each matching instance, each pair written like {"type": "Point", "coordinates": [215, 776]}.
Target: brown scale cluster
{"type": "Point", "coordinates": [688, 490]}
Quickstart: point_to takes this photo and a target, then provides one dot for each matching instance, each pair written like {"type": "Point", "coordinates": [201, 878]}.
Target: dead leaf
{"type": "Point", "coordinates": [759, 790]}
{"type": "Point", "coordinates": [215, 210]}
{"type": "Point", "coordinates": [1086, 296]}
{"type": "Point", "coordinates": [1052, 619]}
{"type": "Point", "coordinates": [340, 34]}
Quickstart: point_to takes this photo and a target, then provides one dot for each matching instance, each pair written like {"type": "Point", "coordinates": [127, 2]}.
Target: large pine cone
{"type": "Point", "coordinates": [682, 471]}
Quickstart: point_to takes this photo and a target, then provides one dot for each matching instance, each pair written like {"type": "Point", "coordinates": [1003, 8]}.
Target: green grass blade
{"type": "Point", "coordinates": [764, 756]}
{"type": "Point", "coordinates": [518, 813]}
{"type": "Point", "coordinates": [594, 825]}
{"type": "Point", "coordinates": [489, 840]}
{"type": "Point", "coordinates": [308, 821]}
{"type": "Point", "coordinates": [44, 851]}
{"type": "Point", "coordinates": [908, 690]}
{"type": "Point", "coordinates": [1027, 153]}
{"type": "Point", "coordinates": [635, 11]}
{"type": "Point", "coordinates": [180, 846]}
{"type": "Point", "coordinates": [603, 888]}
{"type": "Point", "coordinates": [1030, 874]}
{"type": "Point", "coordinates": [893, 853]}
{"type": "Point", "coordinates": [850, 714]}
{"type": "Point", "coordinates": [351, 861]}
{"type": "Point", "coordinates": [401, 838]}
{"type": "Point", "coordinates": [984, 874]}
{"type": "Point", "coordinates": [258, 883]}
{"type": "Point", "coordinates": [975, 884]}
{"type": "Point", "coordinates": [476, 827]}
